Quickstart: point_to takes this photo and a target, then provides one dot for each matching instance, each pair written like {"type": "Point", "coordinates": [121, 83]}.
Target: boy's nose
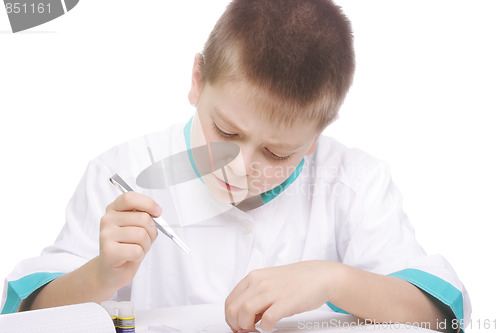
{"type": "Point", "coordinates": [238, 166]}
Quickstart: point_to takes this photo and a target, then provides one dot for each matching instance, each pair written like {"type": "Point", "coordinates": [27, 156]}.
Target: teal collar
{"type": "Point", "coordinates": [266, 196]}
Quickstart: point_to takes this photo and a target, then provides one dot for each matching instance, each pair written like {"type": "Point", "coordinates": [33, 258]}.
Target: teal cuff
{"type": "Point", "coordinates": [336, 309]}
{"type": "Point", "coordinates": [436, 287]}
{"type": "Point", "coordinates": [22, 288]}
{"type": "Point", "coordinates": [431, 284]}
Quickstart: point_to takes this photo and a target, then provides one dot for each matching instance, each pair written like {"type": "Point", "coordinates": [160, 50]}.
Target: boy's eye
{"type": "Point", "coordinates": [221, 132]}
{"type": "Point", "coordinates": [277, 157]}
{"type": "Point", "coordinates": [230, 136]}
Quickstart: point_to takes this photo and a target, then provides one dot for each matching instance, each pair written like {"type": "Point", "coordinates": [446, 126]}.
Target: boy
{"type": "Point", "coordinates": [312, 221]}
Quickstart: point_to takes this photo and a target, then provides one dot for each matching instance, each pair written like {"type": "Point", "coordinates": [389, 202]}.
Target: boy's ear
{"type": "Point", "coordinates": [313, 147]}
{"type": "Point", "coordinates": [194, 92]}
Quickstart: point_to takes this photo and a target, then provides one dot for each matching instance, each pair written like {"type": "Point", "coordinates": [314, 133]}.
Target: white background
{"type": "Point", "coordinates": [425, 99]}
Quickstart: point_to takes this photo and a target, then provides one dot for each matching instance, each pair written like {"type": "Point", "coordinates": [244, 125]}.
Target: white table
{"type": "Point", "coordinates": [210, 319]}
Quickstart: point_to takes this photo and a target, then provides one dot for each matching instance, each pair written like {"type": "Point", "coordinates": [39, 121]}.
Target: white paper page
{"type": "Point", "coordinates": [79, 318]}
{"type": "Point", "coordinates": [210, 319]}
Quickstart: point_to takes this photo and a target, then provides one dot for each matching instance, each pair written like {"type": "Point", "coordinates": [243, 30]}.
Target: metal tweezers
{"type": "Point", "coordinates": [160, 223]}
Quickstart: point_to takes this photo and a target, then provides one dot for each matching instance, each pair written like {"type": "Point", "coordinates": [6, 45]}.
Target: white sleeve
{"type": "Point", "coordinates": [382, 240]}
{"type": "Point", "coordinates": [77, 243]}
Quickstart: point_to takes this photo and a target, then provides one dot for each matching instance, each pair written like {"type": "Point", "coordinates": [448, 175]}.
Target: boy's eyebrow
{"type": "Point", "coordinates": [221, 115]}
{"type": "Point", "coordinates": [285, 146]}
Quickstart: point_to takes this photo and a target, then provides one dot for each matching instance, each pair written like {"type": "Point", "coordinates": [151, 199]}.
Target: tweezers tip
{"type": "Point", "coordinates": [183, 246]}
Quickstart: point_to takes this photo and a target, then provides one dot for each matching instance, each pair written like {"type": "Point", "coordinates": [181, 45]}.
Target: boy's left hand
{"type": "Point", "coordinates": [274, 293]}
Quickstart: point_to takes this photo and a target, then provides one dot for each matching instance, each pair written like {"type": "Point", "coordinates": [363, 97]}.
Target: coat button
{"type": "Point", "coordinates": [246, 226]}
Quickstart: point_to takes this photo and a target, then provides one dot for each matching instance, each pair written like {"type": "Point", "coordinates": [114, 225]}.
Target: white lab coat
{"type": "Point", "coordinates": [343, 207]}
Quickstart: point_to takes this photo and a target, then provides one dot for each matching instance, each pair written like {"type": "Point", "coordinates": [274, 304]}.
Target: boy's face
{"type": "Point", "coordinates": [268, 153]}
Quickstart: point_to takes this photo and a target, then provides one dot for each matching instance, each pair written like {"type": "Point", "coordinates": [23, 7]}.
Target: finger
{"type": "Point", "coordinates": [133, 252]}
{"type": "Point", "coordinates": [238, 289]}
{"type": "Point", "coordinates": [135, 201]}
{"type": "Point", "coordinates": [272, 315]}
{"type": "Point", "coordinates": [241, 311]}
{"type": "Point", "coordinates": [251, 277]}
{"type": "Point", "coordinates": [257, 318]}
{"type": "Point", "coordinates": [120, 254]}
{"type": "Point", "coordinates": [134, 235]}
{"type": "Point", "coordinates": [241, 292]}
{"type": "Point", "coordinates": [130, 219]}
{"type": "Point", "coordinates": [233, 302]}
{"type": "Point", "coordinates": [251, 310]}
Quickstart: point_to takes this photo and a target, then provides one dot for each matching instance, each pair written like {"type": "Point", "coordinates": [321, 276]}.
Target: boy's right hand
{"type": "Point", "coordinates": [126, 235]}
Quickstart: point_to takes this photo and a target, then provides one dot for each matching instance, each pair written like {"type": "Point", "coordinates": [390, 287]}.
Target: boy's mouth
{"type": "Point", "coordinates": [227, 186]}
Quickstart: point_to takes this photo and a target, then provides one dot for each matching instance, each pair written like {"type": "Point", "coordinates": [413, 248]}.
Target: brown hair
{"type": "Point", "coordinates": [298, 52]}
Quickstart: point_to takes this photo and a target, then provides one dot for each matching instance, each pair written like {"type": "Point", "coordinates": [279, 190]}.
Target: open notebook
{"type": "Point", "coordinates": [78, 318]}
